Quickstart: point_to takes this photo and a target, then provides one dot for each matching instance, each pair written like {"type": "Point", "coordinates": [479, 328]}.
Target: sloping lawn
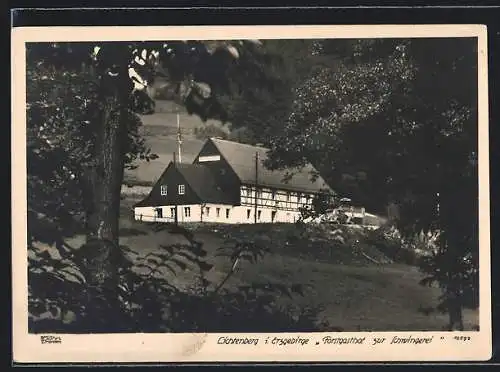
{"type": "Point", "coordinates": [378, 298]}
{"type": "Point", "coordinates": [355, 293]}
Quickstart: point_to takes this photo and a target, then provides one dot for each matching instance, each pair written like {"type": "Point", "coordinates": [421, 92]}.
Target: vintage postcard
{"type": "Point", "coordinates": [250, 194]}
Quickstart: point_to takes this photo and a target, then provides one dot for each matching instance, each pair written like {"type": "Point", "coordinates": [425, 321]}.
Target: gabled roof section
{"type": "Point", "coordinates": [197, 176]}
{"type": "Point", "coordinates": [241, 157]}
{"type": "Point", "coordinates": [203, 183]}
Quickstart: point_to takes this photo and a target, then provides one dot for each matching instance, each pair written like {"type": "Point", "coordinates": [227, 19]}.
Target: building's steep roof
{"type": "Point", "coordinates": [199, 178]}
{"type": "Point", "coordinates": [241, 158]}
{"type": "Point", "coordinates": [203, 183]}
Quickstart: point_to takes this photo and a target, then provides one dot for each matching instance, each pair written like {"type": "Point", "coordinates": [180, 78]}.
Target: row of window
{"type": "Point", "coordinates": [217, 212]}
{"type": "Point", "coordinates": [259, 214]}
{"type": "Point", "coordinates": [274, 203]}
{"type": "Point", "coordinates": [288, 195]}
{"type": "Point", "coordinates": [159, 212]}
{"type": "Point", "coordinates": [281, 206]}
{"type": "Point", "coordinates": [187, 212]}
{"type": "Point", "coordinates": [181, 190]}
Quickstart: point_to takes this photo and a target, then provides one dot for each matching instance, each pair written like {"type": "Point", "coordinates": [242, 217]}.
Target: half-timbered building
{"type": "Point", "coordinates": [229, 183]}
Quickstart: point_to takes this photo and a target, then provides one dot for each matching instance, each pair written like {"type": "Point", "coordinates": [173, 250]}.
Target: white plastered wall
{"type": "Point", "coordinates": [216, 213]}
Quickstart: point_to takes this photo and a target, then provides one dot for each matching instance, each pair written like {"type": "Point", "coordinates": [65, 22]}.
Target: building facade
{"type": "Point", "coordinates": [228, 182]}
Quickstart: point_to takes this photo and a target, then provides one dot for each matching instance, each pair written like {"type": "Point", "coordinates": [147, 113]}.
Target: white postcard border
{"type": "Point", "coordinates": [204, 347]}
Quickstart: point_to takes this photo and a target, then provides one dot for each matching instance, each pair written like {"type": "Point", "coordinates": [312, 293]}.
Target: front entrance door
{"type": "Point", "coordinates": [273, 215]}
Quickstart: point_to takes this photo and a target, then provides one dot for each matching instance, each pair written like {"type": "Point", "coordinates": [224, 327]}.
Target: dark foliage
{"type": "Point", "coordinates": [210, 130]}
{"type": "Point", "coordinates": [391, 247]}
{"type": "Point", "coordinates": [62, 297]}
{"type": "Point", "coordinates": [395, 121]}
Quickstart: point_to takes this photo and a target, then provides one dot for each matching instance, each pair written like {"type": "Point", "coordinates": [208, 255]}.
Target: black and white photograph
{"type": "Point", "coordinates": [254, 185]}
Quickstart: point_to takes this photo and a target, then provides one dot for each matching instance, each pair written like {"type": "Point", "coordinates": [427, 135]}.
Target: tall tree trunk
{"type": "Point", "coordinates": [101, 253]}
{"type": "Point", "coordinates": [108, 174]}
{"type": "Point", "coordinates": [102, 246]}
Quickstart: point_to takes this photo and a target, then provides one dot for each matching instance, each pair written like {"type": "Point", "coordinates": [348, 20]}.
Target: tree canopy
{"type": "Point", "coordinates": [389, 120]}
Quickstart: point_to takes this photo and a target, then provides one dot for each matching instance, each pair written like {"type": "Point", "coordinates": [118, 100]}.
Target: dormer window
{"type": "Point", "coordinates": [163, 190]}
{"type": "Point", "coordinates": [182, 189]}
